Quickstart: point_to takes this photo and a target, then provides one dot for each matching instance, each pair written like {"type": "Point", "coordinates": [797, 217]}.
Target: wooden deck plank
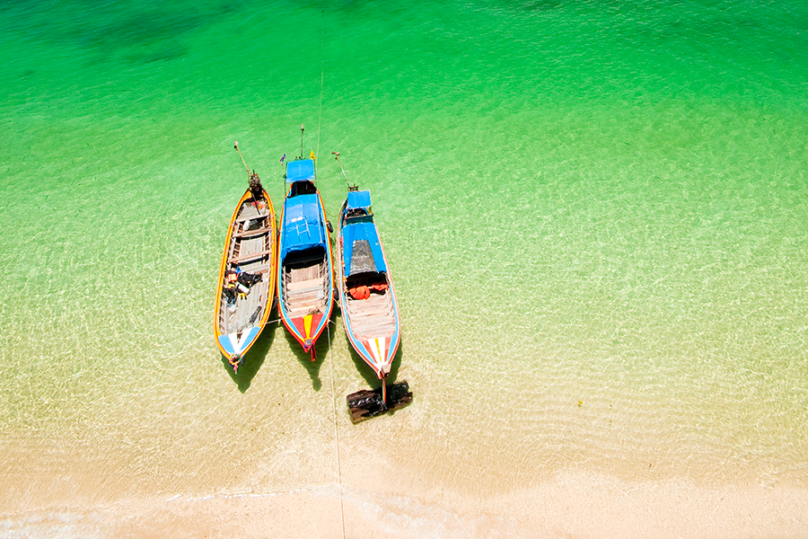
{"type": "Point", "coordinates": [243, 258]}
{"type": "Point", "coordinates": [256, 232]}
{"type": "Point", "coordinates": [309, 283]}
{"type": "Point", "coordinates": [251, 215]}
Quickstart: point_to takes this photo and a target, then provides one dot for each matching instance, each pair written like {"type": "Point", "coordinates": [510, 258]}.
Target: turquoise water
{"type": "Point", "coordinates": [595, 213]}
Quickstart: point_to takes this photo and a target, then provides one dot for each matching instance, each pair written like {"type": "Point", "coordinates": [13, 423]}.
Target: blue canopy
{"type": "Point", "coordinates": [358, 199]}
{"type": "Point", "coordinates": [302, 169]}
{"type": "Point", "coordinates": [362, 249]}
{"type": "Point", "coordinates": [302, 226]}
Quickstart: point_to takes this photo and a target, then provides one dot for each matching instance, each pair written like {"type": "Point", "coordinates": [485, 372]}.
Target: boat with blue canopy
{"type": "Point", "coordinates": [305, 264]}
{"type": "Point", "coordinates": [367, 298]}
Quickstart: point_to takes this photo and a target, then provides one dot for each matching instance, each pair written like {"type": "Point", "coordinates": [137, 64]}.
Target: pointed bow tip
{"type": "Point", "coordinates": [235, 362]}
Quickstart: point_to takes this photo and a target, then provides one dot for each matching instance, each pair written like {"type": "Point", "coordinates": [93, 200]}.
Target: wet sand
{"type": "Point", "coordinates": [570, 505]}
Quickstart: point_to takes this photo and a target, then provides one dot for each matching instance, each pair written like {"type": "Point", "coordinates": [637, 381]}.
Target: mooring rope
{"type": "Point", "coordinates": [322, 79]}
{"type": "Point", "coordinates": [336, 436]}
{"type": "Point", "coordinates": [327, 325]}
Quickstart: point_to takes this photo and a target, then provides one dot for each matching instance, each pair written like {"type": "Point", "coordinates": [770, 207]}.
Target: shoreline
{"type": "Point", "coordinates": [572, 504]}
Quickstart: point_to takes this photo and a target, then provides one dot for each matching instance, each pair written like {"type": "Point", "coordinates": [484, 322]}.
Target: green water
{"type": "Point", "coordinates": [595, 215]}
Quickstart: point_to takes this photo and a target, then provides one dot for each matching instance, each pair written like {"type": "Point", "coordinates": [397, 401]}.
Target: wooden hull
{"type": "Point", "coordinates": [306, 288]}
{"type": "Point", "coordinates": [242, 311]}
{"type": "Point", "coordinates": [372, 324]}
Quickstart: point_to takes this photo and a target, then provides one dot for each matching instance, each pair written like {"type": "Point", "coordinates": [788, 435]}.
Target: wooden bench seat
{"type": "Point", "coordinates": [253, 256]}
{"type": "Point", "coordinates": [312, 284]}
{"type": "Point", "coordinates": [253, 218]}
{"type": "Point", "coordinates": [255, 232]}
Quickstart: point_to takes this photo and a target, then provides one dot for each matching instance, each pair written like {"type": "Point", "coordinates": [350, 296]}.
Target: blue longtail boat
{"type": "Point", "coordinates": [367, 297]}
{"type": "Point", "coordinates": [305, 263]}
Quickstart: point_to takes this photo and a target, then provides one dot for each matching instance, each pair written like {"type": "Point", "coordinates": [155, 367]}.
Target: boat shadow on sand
{"type": "Point", "coordinates": [257, 355]}
{"type": "Point", "coordinates": [361, 366]}
{"type": "Point", "coordinates": [322, 346]}
{"type": "Point", "coordinates": [253, 360]}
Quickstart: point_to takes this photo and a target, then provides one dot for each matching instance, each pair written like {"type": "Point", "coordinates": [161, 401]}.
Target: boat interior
{"type": "Point", "coordinates": [355, 215]}
{"type": "Point", "coordinates": [302, 188]}
{"type": "Point", "coordinates": [251, 251]}
{"type": "Point", "coordinates": [305, 282]}
{"type": "Point", "coordinates": [373, 315]}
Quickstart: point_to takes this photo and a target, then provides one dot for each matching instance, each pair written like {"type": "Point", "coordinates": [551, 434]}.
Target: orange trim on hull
{"type": "Point", "coordinates": [223, 267]}
{"type": "Point", "coordinates": [289, 323]}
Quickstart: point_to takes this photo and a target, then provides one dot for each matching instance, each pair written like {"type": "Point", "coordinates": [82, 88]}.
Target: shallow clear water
{"type": "Point", "coordinates": [595, 215]}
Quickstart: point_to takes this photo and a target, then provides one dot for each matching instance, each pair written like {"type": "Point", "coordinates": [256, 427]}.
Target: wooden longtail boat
{"type": "Point", "coordinates": [367, 297]}
{"type": "Point", "coordinates": [247, 274]}
{"type": "Point", "coordinates": [305, 264]}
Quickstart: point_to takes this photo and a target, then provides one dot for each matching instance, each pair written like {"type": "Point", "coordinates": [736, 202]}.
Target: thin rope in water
{"type": "Point", "coordinates": [336, 435]}
{"type": "Point", "coordinates": [327, 325]}
{"type": "Point", "coordinates": [322, 79]}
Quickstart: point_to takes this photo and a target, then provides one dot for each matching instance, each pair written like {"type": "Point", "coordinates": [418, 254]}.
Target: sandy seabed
{"type": "Point", "coordinates": [570, 505]}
